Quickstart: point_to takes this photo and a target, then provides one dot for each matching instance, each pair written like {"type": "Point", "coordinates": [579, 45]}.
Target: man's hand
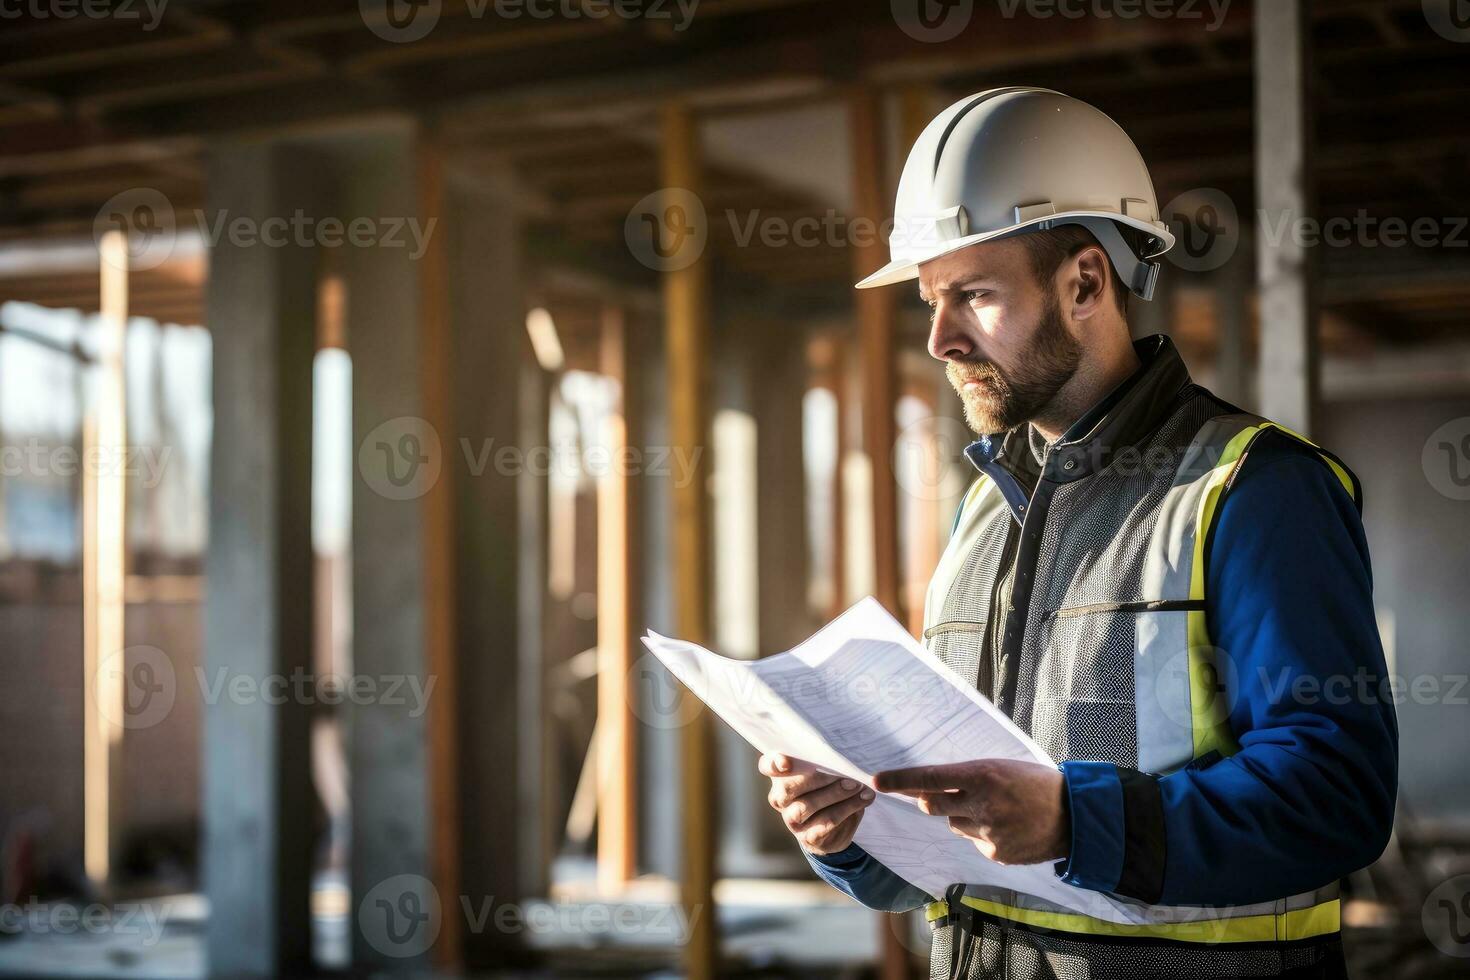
{"type": "Point", "coordinates": [822, 810]}
{"type": "Point", "coordinates": [1013, 811]}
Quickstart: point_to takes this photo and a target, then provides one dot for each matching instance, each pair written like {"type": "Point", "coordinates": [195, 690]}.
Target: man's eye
{"type": "Point", "coordinates": [972, 295]}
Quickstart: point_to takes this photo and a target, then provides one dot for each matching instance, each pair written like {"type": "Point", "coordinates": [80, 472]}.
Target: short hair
{"type": "Point", "coordinates": [1049, 249]}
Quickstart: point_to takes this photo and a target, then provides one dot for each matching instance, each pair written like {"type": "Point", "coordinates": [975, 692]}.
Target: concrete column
{"type": "Point", "coordinates": [258, 615]}
{"type": "Point", "coordinates": [500, 516]}
{"type": "Point", "coordinates": [1287, 271]}
{"type": "Point", "coordinates": [1232, 295]}
{"type": "Point", "coordinates": [405, 457]}
{"type": "Point", "coordinates": [779, 385]}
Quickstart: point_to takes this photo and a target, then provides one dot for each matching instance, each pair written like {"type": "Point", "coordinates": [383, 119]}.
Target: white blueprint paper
{"type": "Point", "coordinates": [862, 696]}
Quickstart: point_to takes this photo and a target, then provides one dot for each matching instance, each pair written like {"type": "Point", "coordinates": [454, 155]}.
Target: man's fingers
{"type": "Point", "coordinates": [819, 826]}
{"type": "Point", "coordinates": [777, 765]}
{"type": "Point", "coordinates": [924, 779]}
{"type": "Point", "coordinates": [804, 806]}
{"type": "Point", "coordinates": [967, 828]}
{"type": "Point", "coordinates": [943, 804]}
{"type": "Point", "coordinates": [838, 838]}
{"type": "Point", "coordinates": [786, 790]}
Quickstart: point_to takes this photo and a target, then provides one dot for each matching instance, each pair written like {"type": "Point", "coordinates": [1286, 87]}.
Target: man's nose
{"type": "Point", "coordinates": [948, 338]}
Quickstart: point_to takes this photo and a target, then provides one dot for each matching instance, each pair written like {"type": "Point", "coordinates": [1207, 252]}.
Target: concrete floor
{"type": "Point", "coordinates": [768, 929]}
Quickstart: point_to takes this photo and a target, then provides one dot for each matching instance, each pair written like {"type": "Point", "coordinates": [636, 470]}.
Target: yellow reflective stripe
{"type": "Point", "coordinates": [1319, 920]}
{"type": "Point", "coordinates": [1210, 720]}
{"type": "Point", "coordinates": [1209, 717]}
{"type": "Point", "coordinates": [1332, 464]}
{"type": "Point", "coordinates": [935, 910]}
{"type": "Point", "coordinates": [1342, 476]}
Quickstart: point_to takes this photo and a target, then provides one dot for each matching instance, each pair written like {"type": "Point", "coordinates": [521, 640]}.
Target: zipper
{"type": "Point", "coordinates": [1004, 689]}
{"type": "Point", "coordinates": [989, 673]}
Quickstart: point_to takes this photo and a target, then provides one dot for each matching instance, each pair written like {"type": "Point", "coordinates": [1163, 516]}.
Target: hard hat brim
{"type": "Point", "coordinates": [902, 270]}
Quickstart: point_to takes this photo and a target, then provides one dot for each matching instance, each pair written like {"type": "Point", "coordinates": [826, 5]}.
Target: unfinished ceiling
{"type": "Point", "coordinates": [565, 110]}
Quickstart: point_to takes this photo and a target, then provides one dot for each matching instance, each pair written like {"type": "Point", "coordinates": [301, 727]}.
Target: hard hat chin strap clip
{"type": "Point", "coordinates": [1139, 275]}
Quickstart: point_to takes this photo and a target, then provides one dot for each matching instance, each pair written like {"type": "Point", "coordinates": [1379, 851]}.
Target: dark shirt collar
{"type": "Point", "coordinates": [1123, 419]}
{"type": "Point", "coordinates": [1090, 418]}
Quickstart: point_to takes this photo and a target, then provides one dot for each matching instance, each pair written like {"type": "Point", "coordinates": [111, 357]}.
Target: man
{"type": "Point", "coordinates": [1157, 587]}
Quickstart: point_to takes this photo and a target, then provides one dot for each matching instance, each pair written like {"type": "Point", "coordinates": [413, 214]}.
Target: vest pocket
{"type": "Point", "coordinates": [953, 626]}
{"type": "Point", "coordinates": [959, 644]}
{"type": "Point", "coordinates": [1084, 696]}
{"type": "Point", "coordinates": [1146, 605]}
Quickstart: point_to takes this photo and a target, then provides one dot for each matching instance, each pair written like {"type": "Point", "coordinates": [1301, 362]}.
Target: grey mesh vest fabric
{"type": "Point", "coordinates": [1083, 621]}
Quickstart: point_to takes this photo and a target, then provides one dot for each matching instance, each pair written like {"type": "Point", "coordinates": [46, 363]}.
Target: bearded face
{"type": "Point", "coordinates": [999, 397]}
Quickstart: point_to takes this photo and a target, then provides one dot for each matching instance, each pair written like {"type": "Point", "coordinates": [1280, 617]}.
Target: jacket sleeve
{"type": "Point", "coordinates": [857, 874]}
{"type": "Point", "coordinates": [1310, 795]}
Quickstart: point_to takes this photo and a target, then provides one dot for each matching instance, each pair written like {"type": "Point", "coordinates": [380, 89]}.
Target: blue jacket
{"type": "Point", "coordinates": [1310, 795]}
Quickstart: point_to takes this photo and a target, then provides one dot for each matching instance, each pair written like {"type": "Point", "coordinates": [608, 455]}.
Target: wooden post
{"type": "Point", "coordinates": [916, 109]}
{"type": "Point", "coordinates": [875, 321]}
{"type": "Point", "coordinates": [685, 293]}
{"type": "Point", "coordinates": [1285, 158]}
{"type": "Point", "coordinates": [104, 567]}
{"type": "Point", "coordinates": [617, 612]}
{"type": "Point", "coordinates": [534, 768]}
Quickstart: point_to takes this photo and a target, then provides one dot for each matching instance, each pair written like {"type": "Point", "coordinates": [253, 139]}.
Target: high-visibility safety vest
{"type": "Point", "coordinates": [1082, 615]}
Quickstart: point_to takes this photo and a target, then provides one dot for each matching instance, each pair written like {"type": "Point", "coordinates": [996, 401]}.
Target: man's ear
{"type": "Point", "coordinates": [1091, 276]}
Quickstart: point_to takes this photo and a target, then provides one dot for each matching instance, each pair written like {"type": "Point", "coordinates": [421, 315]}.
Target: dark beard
{"type": "Point", "coordinates": [1005, 399]}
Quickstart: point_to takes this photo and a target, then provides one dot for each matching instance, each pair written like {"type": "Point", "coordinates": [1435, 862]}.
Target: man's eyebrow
{"type": "Point", "coordinates": [959, 285]}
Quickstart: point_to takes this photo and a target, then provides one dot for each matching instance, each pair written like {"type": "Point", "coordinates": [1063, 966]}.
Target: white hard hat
{"type": "Point", "coordinates": [1016, 160]}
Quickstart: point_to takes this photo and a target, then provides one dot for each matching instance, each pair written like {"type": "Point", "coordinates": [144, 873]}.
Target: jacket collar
{"type": "Point", "coordinates": [1122, 420]}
